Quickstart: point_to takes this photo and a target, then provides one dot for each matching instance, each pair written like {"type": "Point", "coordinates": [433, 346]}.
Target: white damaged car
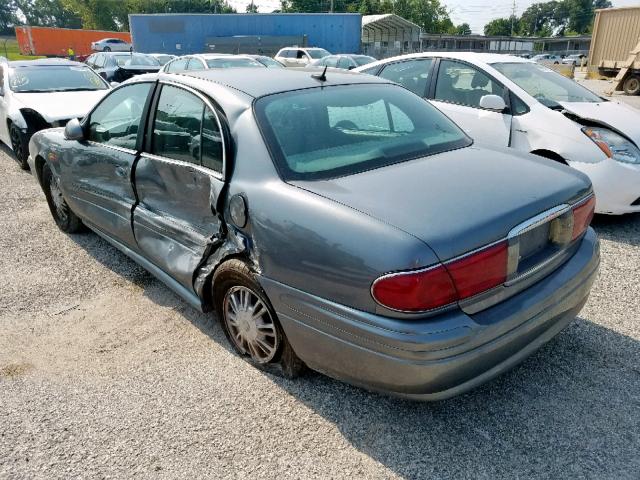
{"type": "Point", "coordinates": [39, 94]}
{"type": "Point", "coordinates": [507, 101]}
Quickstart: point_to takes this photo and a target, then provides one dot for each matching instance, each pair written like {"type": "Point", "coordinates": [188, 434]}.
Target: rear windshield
{"type": "Point", "coordinates": [136, 59]}
{"type": "Point", "coordinates": [233, 62]}
{"type": "Point", "coordinates": [54, 79]}
{"type": "Point", "coordinates": [328, 132]}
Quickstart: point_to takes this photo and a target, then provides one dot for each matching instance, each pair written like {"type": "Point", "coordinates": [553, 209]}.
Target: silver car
{"type": "Point", "coordinates": [332, 221]}
{"type": "Point", "coordinates": [111, 45]}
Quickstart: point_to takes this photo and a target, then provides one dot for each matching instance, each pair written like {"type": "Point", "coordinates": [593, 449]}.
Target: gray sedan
{"type": "Point", "coordinates": [334, 222]}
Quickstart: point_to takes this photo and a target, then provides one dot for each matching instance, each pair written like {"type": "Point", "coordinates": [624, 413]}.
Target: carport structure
{"type": "Point", "coordinates": [387, 35]}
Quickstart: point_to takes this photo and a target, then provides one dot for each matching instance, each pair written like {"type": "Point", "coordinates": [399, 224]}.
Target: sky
{"type": "Point", "coordinates": [474, 12]}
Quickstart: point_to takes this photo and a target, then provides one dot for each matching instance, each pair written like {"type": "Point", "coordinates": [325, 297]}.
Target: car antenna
{"type": "Point", "coordinates": [321, 76]}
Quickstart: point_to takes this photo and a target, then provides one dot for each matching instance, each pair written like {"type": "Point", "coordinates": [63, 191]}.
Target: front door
{"type": "Point", "coordinates": [458, 90]}
{"type": "Point", "coordinates": [99, 169]}
{"type": "Point", "coordinates": [179, 180]}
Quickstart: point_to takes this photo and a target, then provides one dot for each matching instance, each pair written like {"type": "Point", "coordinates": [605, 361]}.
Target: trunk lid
{"type": "Point", "coordinates": [457, 201]}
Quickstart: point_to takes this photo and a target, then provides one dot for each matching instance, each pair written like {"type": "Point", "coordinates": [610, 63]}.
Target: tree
{"type": "Point", "coordinates": [462, 29]}
{"type": "Point", "coordinates": [7, 16]}
{"type": "Point", "coordinates": [498, 27]}
{"type": "Point", "coordinates": [252, 8]}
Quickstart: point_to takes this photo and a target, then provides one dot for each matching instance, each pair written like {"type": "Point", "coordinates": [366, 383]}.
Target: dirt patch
{"type": "Point", "coordinates": [14, 370]}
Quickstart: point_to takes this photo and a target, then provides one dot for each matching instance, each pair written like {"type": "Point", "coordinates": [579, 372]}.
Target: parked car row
{"type": "Point", "coordinates": [340, 221]}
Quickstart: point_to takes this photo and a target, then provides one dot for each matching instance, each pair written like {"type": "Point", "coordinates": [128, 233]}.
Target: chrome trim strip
{"type": "Point", "coordinates": [113, 147]}
{"type": "Point", "coordinates": [182, 163]}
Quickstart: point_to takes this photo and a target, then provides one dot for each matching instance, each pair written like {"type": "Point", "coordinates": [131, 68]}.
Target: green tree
{"type": "Point", "coordinates": [252, 8]}
{"type": "Point", "coordinates": [498, 27]}
{"type": "Point", "coordinates": [463, 29]}
{"type": "Point", "coordinates": [7, 16]}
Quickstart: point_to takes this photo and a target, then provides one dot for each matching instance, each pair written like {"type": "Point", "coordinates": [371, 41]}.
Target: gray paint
{"type": "Point", "coordinates": [318, 246]}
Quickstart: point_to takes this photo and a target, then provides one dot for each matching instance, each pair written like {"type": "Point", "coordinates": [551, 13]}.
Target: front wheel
{"type": "Point", "coordinates": [632, 85]}
{"type": "Point", "coordinates": [64, 217]}
{"type": "Point", "coordinates": [106, 49]}
{"type": "Point", "coordinates": [20, 146]}
{"type": "Point", "coordinates": [249, 321]}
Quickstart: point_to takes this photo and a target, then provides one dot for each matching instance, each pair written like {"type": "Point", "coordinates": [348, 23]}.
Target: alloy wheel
{"type": "Point", "coordinates": [58, 199]}
{"type": "Point", "coordinates": [16, 143]}
{"type": "Point", "coordinates": [250, 324]}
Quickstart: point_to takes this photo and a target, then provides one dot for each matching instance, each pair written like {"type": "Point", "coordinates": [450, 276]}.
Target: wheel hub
{"type": "Point", "coordinates": [57, 198]}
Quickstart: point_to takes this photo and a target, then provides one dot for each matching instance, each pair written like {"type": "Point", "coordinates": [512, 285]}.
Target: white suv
{"type": "Point", "coordinates": [300, 57]}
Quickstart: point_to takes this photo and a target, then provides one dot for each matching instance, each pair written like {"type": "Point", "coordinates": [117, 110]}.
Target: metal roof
{"type": "Point", "coordinates": [387, 20]}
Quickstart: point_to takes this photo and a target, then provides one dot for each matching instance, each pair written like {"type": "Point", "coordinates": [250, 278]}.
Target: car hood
{"type": "Point", "coordinates": [620, 117]}
{"type": "Point", "coordinates": [61, 105]}
{"type": "Point", "coordinates": [460, 200]}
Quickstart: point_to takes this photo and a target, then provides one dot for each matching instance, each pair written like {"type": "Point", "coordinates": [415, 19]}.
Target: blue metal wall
{"type": "Point", "coordinates": [186, 33]}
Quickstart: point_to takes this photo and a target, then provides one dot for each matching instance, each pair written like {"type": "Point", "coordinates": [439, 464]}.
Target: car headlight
{"type": "Point", "coordinates": [613, 145]}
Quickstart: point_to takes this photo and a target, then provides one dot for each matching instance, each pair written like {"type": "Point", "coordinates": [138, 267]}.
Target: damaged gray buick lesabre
{"type": "Point", "coordinates": [331, 221]}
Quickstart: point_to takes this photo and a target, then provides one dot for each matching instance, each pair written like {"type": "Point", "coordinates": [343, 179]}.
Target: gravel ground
{"type": "Point", "coordinates": [104, 373]}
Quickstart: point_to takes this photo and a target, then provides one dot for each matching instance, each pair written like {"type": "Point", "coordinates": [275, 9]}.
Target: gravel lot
{"type": "Point", "coordinates": [104, 373]}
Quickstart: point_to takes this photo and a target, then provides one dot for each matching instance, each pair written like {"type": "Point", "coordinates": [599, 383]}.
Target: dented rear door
{"type": "Point", "coordinates": [178, 181]}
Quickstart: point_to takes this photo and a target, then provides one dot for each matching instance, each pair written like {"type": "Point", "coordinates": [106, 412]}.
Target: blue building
{"type": "Point", "coordinates": [182, 34]}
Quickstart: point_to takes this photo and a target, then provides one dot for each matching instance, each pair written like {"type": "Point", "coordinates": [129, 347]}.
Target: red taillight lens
{"type": "Point", "coordinates": [415, 291]}
{"type": "Point", "coordinates": [435, 287]}
{"type": "Point", "coordinates": [480, 271]}
{"type": "Point", "coordinates": [582, 216]}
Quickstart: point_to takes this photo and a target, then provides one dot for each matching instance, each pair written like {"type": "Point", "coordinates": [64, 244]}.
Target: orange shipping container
{"type": "Point", "coordinates": [54, 42]}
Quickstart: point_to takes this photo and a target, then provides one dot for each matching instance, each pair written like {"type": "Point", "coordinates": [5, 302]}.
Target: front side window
{"type": "Point", "coordinates": [411, 74]}
{"type": "Point", "coordinates": [117, 119]}
{"type": "Point", "coordinates": [345, 63]}
{"type": "Point", "coordinates": [177, 65]}
{"type": "Point", "coordinates": [463, 84]}
{"type": "Point", "coordinates": [42, 79]}
{"type": "Point", "coordinates": [329, 62]}
{"type": "Point", "coordinates": [545, 85]}
{"type": "Point", "coordinates": [355, 128]}
{"type": "Point", "coordinates": [195, 64]}
{"type": "Point", "coordinates": [100, 60]}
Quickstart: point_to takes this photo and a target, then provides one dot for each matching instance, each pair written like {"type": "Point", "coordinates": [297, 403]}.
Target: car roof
{"type": "Point", "coordinates": [45, 62]}
{"type": "Point", "coordinates": [267, 81]}
{"type": "Point", "coordinates": [471, 57]}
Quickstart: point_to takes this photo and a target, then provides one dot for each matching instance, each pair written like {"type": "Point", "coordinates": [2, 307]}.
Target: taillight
{"type": "Point", "coordinates": [582, 215]}
{"type": "Point", "coordinates": [421, 290]}
{"type": "Point", "coordinates": [480, 270]}
{"type": "Point", "coordinates": [416, 290]}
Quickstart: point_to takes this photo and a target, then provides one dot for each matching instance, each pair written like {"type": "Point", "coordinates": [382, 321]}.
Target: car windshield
{"type": "Point", "coordinates": [136, 59]}
{"type": "Point", "coordinates": [328, 132]}
{"type": "Point", "coordinates": [270, 62]}
{"type": "Point", "coordinates": [62, 78]}
{"type": "Point", "coordinates": [545, 85]}
{"type": "Point", "coordinates": [232, 62]}
{"type": "Point", "coordinates": [163, 59]}
{"type": "Point", "coordinates": [363, 60]}
{"type": "Point", "coordinates": [318, 53]}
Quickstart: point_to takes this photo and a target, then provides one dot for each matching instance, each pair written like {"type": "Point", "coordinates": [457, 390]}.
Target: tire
{"type": "Point", "coordinates": [631, 85]}
{"type": "Point", "coordinates": [64, 217]}
{"type": "Point", "coordinates": [20, 146]}
{"type": "Point", "coordinates": [261, 340]}
{"type": "Point", "coordinates": [106, 49]}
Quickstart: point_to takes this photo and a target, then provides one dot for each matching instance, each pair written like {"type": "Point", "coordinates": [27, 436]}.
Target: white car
{"type": "Point", "coordinates": [39, 94]}
{"type": "Point", "coordinates": [507, 101]}
{"type": "Point", "coordinates": [300, 57]}
{"type": "Point", "coordinates": [547, 58]}
{"type": "Point", "coordinates": [111, 45]}
{"type": "Point", "coordinates": [205, 61]}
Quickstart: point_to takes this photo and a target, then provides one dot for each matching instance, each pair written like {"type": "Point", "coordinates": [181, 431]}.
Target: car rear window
{"type": "Point", "coordinates": [327, 132]}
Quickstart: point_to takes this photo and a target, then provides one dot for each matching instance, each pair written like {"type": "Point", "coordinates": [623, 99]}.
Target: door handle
{"type": "Point", "coordinates": [121, 172]}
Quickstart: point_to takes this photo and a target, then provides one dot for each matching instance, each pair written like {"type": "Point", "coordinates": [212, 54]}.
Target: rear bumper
{"type": "Point", "coordinates": [440, 356]}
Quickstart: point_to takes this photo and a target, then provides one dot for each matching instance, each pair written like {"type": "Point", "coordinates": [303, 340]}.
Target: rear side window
{"type": "Point", "coordinates": [355, 128]}
{"type": "Point", "coordinates": [329, 61]}
{"type": "Point", "coordinates": [177, 65]}
{"type": "Point", "coordinates": [195, 64]}
{"type": "Point", "coordinates": [99, 61]}
{"type": "Point", "coordinates": [116, 121]}
{"type": "Point", "coordinates": [411, 74]}
{"type": "Point", "coordinates": [344, 63]}
{"type": "Point", "coordinates": [185, 129]}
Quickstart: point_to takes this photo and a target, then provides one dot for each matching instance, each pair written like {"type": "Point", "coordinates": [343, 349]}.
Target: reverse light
{"type": "Point", "coordinates": [613, 145]}
{"type": "Point", "coordinates": [583, 212]}
{"type": "Point", "coordinates": [441, 285]}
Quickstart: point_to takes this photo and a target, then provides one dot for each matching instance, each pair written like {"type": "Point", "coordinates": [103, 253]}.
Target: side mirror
{"type": "Point", "coordinates": [73, 130]}
{"type": "Point", "coordinates": [114, 84]}
{"type": "Point", "coordinates": [493, 102]}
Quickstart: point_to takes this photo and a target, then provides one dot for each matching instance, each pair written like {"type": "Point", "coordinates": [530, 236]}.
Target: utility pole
{"type": "Point", "coordinates": [331, 6]}
{"type": "Point", "coordinates": [513, 16]}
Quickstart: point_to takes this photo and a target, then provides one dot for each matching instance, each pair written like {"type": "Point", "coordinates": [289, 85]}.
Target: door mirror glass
{"type": "Point", "coordinates": [73, 130]}
{"type": "Point", "coordinates": [493, 102]}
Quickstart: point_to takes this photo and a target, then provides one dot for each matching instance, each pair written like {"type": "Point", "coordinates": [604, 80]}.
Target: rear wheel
{"type": "Point", "coordinates": [20, 146]}
{"type": "Point", "coordinates": [249, 321]}
{"type": "Point", "coordinates": [631, 85]}
{"type": "Point", "coordinates": [64, 217]}
{"type": "Point", "coordinates": [106, 49]}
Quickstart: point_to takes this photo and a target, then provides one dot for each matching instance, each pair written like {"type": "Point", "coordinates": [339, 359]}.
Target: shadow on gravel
{"type": "Point", "coordinates": [618, 228]}
{"type": "Point", "coordinates": [572, 410]}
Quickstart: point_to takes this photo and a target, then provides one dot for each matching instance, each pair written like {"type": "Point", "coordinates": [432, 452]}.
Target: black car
{"type": "Point", "coordinates": [119, 66]}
